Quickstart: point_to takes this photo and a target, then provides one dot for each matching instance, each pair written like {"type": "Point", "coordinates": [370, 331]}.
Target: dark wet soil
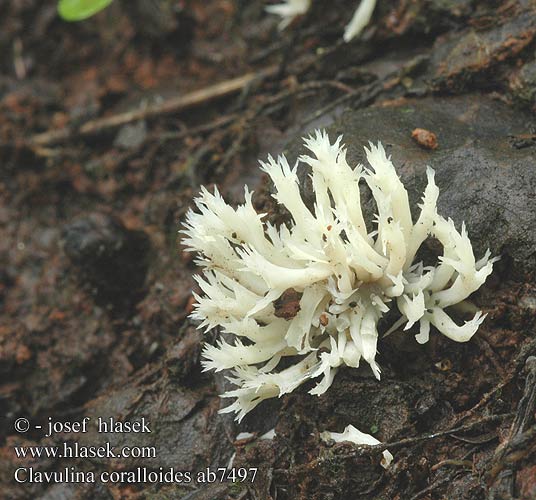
{"type": "Point", "coordinates": [95, 289]}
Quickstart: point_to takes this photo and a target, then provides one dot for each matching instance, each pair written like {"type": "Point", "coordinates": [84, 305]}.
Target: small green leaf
{"type": "Point", "coordinates": [374, 428]}
{"type": "Point", "coordinates": [77, 10]}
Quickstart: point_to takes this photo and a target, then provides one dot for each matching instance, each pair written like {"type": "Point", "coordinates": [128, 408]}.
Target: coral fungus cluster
{"type": "Point", "coordinates": [342, 272]}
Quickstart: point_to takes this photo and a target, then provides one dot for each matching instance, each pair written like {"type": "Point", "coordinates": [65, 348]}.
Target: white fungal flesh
{"type": "Point", "coordinates": [359, 20]}
{"type": "Point", "coordinates": [349, 275]}
{"type": "Point", "coordinates": [290, 9]}
{"type": "Point", "coordinates": [353, 435]}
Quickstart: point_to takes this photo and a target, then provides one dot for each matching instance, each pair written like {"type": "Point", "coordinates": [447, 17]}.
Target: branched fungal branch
{"type": "Point", "coordinates": [345, 275]}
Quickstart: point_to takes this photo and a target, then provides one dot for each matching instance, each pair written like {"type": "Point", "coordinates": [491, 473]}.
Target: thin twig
{"type": "Point", "coordinates": [426, 437]}
{"type": "Point", "coordinates": [206, 127]}
{"type": "Point", "coordinates": [404, 442]}
{"type": "Point", "coordinates": [454, 462]}
{"type": "Point", "coordinates": [271, 105]}
{"type": "Point", "coordinates": [362, 97]}
{"type": "Point", "coordinates": [172, 105]}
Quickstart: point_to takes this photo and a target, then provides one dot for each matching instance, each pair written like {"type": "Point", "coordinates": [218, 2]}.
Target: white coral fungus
{"type": "Point", "coordinates": [353, 435]}
{"type": "Point", "coordinates": [290, 9]}
{"type": "Point", "coordinates": [359, 20]}
{"type": "Point", "coordinates": [345, 275]}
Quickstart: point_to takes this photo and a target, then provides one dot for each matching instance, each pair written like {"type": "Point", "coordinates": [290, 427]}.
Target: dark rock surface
{"type": "Point", "coordinates": [484, 179]}
{"type": "Point", "coordinates": [474, 55]}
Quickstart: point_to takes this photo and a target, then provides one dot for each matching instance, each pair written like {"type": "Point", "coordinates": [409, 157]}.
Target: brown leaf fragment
{"type": "Point", "coordinates": [288, 305]}
{"type": "Point", "coordinates": [425, 138]}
